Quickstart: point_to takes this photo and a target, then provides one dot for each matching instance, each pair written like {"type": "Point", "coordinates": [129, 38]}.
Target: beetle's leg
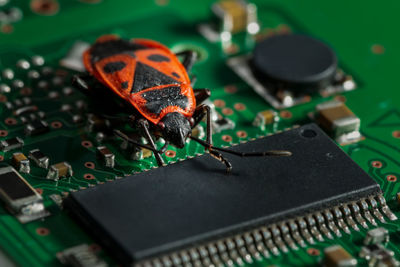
{"type": "Point", "coordinates": [217, 155]}
{"type": "Point", "coordinates": [200, 112]}
{"type": "Point", "coordinates": [189, 58]}
{"type": "Point", "coordinates": [164, 148]}
{"type": "Point", "coordinates": [198, 115]}
{"type": "Point", "coordinates": [145, 126]}
{"type": "Point", "coordinates": [201, 95]}
{"type": "Point", "coordinates": [130, 140]}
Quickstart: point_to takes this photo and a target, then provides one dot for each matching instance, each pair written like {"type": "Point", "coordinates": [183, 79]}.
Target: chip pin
{"type": "Point", "coordinates": [184, 256]}
{"type": "Point", "coordinates": [254, 252]}
{"type": "Point", "coordinates": [385, 208]}
{"type": "Point", "coordinates": [339, 217]}
{"type": "Point", "coordinates": [227, 260]}
{"type": "Point", "coordinates": [322, 226]}
{"type": "Point", "coordinates": [268, 241]}
{"type": "Point", "coordinates": [356, 210]}
{"type": "Point", "coordinates": [176, 260]}
{"type": "Point", "coordinates": [276, 236]}
{"type": "Point", "coordinates": [263, 250]}
{"type": "Point", "coordinates": [207, 262]}
{"type": "Point", "coordinates": [294, 229]}
{"type": "Point", "coordinates": [286, 236]}
{"type": "Point", "coordinates": [156, 263]}
{"type": "Point", "coordinates": [239, 241]}
{"type": "Point", "coordinates": [216, 260]}
{"type": "Point", "coordinates": [375, 210]}
{"type": "Point", "coordinates": [313, 229]}
{"type": "Point", "coordinates": [365, 210]}
{"type": "Point", "coordinates": [331, 224]}
{"type": "Point", "coordinates": [250, 244]}
{"type": "Point", "coordinates": [304, 231]}
{"type": "Point", "coordinates": [245, 255]}
{"type": "Point", "coordinates": [349, 219]}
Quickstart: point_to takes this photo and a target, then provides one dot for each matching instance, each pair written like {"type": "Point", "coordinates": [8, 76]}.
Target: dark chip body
{"type": "Point", "coordinates": [11, 143]}
{"type": "Point", "coordinates": [300, 62]}
{"type": "Point", "coordinates": [190, 202]}
{"type": "Point", "coordinates": [36, 127]}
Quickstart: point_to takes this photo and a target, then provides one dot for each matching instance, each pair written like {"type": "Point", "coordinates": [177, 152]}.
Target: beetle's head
{"type": "Point", "coordinates": [175, 129]}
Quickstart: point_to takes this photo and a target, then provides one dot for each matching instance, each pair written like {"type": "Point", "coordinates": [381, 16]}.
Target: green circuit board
{"type": "Point", "coordinates": [363, 35]}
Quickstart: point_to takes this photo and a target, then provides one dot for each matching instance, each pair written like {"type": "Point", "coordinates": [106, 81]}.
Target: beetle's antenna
{"type": "Point", "coordinates": [275, 153]}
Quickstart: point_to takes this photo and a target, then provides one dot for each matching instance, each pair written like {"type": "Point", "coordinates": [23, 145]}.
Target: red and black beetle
{"type": "Point", "coordinates": [151, 80]}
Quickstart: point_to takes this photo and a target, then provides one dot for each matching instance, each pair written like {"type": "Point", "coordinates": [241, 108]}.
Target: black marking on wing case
{"type": "Point", "coordinates": [176, 75]}
{"type": "Point", "coordinates": [106, 49]}
{"type": "Point", "coordinates": [158, 58]}
{"type": "Point", "coordinates": [159, 99]}
{"type": "Point", "coordinates": [148, 77]}
{"type": "Point", "coordinates": [114, 66]}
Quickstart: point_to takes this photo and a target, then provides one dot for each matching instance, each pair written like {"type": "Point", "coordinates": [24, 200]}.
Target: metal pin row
{"type": "Point", "coordinates": [272, 240]}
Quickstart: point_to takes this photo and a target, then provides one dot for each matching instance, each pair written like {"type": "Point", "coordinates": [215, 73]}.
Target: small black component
{"type": "Point", "coordinates": [194, 201]}
{"type": "Point", "coordinates": [19, 196]}
{"type": "Point", "coordinates": [298, 62]}
{"type": "Point", "coordinates": [11, 143]}
{"type": "Point", "coordinates": [36, 127]}
{"type": "Point", "coordinates": [39, 158]}
{"type": "Point", "coordinates": [106, 156]}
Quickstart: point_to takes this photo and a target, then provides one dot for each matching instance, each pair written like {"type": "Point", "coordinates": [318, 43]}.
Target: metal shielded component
{"type": "Point", "coordinates": [11, 143]}
{"type": "Point", "coordinates": [80, 256]}
{"type": "Point", "coordinates": [336, 256]}
{"type": "Point", "coordinates": [20, 198]}
{"type": "Point", "coordinates": [59, 170]}
{"type": "Point", "coordinates": [105, 155]}
{"type": "Point", "coordinates": [21, 162]}
{"type": "Point", "coordinates": [39, 158]}
{"type": "Point", "coordinates": [375, 236]}
{"type": "Point", "coordinates": [338, 120]}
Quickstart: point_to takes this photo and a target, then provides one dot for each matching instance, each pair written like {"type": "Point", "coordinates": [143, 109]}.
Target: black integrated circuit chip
{"type": "Point", "coordinates": [193, 203]}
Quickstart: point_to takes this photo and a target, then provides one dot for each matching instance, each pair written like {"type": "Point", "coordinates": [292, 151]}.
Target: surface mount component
{"type": "Point", "coordinates": [11, 143]}
{"type": "Point", "coordinates": [375, 236]}
{"type": "Point", "coordinates": [336, 256]}
{"type": "Point", "coordinates": [339, 121]}
{"type": "Point", "coordinates": [39, 158]}
{"type": "Point", "coordinates": [59, 170]}
{"type": "Point", "coordinates": [265, 117]}
{"type": "Point", "coordinates": [230, 17]}
{"type": "Point", "coordinates": [21, 162]}
{"type": "Point", "coordinates": [80, 256]}
{"type": "Point", "coordinates": [287, 70]}
{"type": "Point", "coordinates": [379, 256]}
{"type": "Point", "coordinates": [106, 156]}
{"type": "Point", "coordinates": [36, 127]}
{"type": "Point", "coordinates": [20, 198]}
{"type": "Point", "coordinates": [169, 209]}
